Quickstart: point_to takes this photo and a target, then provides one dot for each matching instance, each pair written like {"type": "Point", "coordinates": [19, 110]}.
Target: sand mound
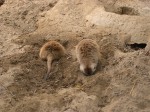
{"type": "Point", "coordinates": [122, 81]}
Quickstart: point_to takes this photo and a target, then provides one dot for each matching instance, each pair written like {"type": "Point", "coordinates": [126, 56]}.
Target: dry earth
{"type": "Point", "coordinates": [122, 81]}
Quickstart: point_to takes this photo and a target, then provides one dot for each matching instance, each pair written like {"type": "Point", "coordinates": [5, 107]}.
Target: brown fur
{"type": "Point", "coordinates": [50, 51]}
{"type": "Point", "coordinates": [87, 52]}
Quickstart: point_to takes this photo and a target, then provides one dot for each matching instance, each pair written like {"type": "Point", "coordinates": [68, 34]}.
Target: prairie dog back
{"type": "Point", "coordinates": [50, 51]}
{"type": "Point", "coordinates": [52, 48]}
{"type": "Point", "coordinates": [87, 52]}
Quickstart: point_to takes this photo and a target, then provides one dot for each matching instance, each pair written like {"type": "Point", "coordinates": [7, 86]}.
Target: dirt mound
{"type": "Point", "coordinates": [122, 81]}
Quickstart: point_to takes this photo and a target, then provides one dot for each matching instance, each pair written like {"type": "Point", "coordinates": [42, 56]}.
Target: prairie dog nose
{"type": "Point", "coordinates": [88, 71]}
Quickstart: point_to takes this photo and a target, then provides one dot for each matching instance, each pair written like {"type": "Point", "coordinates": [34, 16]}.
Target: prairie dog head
{"type": "Point", "coordinates": [87, 52]}
{"type": "Point", "coordinates": [88, 68]}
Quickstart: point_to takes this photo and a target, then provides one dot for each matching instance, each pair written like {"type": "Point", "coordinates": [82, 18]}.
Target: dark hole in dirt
{"type": "Point", "coordinates": [128, 11]}
{"type": "Point", "coordinates": [2, 2]}
{"type": "Point", "coordinates": [137, 46]}
{"type": "Point", "coordinates": [121, 10]}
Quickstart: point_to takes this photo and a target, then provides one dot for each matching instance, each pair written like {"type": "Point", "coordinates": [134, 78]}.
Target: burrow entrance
{"type": "Point", "coordinates": [121, 10]}
{"type": "Point", "coordinates": [137, 46]}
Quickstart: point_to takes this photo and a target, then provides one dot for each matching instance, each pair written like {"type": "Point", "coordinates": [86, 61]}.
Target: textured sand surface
{"type": "Point", "coordinates": [120, 27]}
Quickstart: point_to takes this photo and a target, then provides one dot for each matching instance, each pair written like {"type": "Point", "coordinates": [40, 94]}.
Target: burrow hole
{"type": "Point", "coordinates": [137, 46]}
{"type": "Point", "coordinates": [121, 10]}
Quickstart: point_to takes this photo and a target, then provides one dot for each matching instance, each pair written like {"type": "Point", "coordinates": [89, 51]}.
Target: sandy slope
{"type": "Point", "coordinates": [122, 81]}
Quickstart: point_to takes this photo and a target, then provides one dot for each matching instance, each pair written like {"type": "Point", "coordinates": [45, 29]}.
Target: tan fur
{"type": "Point", "coordinates": [87, 52]}
{"type": "Point", "coordinates": [50, 51]}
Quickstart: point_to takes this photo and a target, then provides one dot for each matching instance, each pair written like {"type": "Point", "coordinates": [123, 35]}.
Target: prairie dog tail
{"type": "Point", "coordinates": [49, 66]}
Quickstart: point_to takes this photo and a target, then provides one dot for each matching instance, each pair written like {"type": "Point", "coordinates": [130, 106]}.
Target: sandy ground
{"type": "Point", "coordinates": [120, 27]}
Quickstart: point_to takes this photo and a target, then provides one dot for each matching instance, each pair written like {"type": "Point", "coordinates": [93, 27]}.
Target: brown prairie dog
{"type": "Point", "coordinates": [87, 52]}
{"type": "Point", "coordinates": [50, 51]}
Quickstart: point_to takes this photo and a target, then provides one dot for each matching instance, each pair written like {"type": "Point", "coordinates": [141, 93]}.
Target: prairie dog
{"type": "Point", "coordinates": [87, 52]}
{"type": "Point", "coordinates": [50, 51]}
